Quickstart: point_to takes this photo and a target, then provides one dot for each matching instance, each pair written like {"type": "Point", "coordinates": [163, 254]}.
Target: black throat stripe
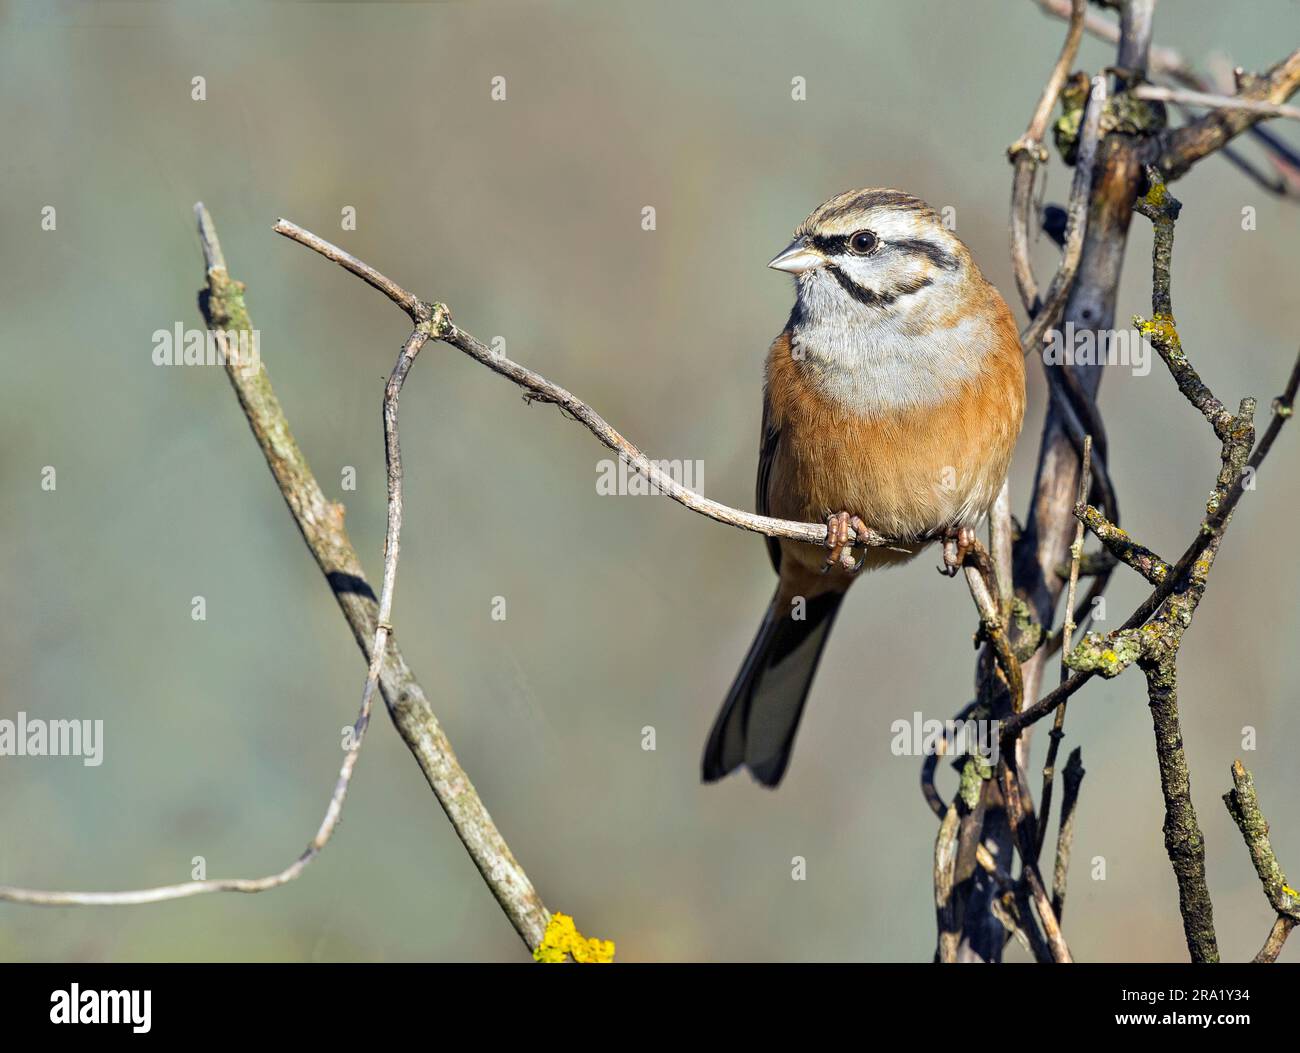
{"type": "Point", "coordinates": [872, 298]}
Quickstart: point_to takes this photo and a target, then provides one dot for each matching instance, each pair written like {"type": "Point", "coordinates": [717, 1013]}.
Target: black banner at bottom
{"type": "Point", "coordinates": [336, 1002]}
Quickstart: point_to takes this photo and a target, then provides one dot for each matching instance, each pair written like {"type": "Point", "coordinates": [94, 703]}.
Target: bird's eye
{"type": "Point", "coordinates": [863, 242]}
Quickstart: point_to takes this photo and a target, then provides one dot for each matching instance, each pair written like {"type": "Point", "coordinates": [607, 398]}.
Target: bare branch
{"type": "Point", "coordinates": [1277, 935]}
{"type": "Point", "coordinates": [1161, 59]}
{"type": "Point", "coordinates": [1243, 805]}
{"type": "Point", "coordinates": [216, 266]}
{"type": "Point", "coordinates": [982, 582]}
{"type": "Point", "coordinates": [1155, 93]}
{"type": "Point", "coordinates": [1022, 828]}
{"type": "Point", "coordinates": [1046, 314]}
{"type": "Point", "coordinates": [1183, 147]}
{"type": "Point", "coordinates": [1166, 62]}
{"type": "Point", "coordinates": [440, 327]}
{"type": "Point", "coordinates": [1027, 153]}
{"type": "Point", "coordinates": [1211, 528]}
{"type": "Point", "coordinates": [408, 302]}
{"type": "Point", "coordinates": [1000, 547]}
{"type": "Point", "coordinates": [321, 524]}
{"type": "Point", "coordinates": [1136, 24]}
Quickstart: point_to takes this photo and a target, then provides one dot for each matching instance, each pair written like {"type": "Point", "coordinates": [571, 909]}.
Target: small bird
{"type": "Point", "coordinates": [893, 400]}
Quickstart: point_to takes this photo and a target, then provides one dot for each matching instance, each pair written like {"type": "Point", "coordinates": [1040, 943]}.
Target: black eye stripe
{"type": "Point", "coordinates": [831, 244]}
{"type": "Point", "coordinates": [929, 250]}
{"type": "Point", "coordinates": [838, 245]}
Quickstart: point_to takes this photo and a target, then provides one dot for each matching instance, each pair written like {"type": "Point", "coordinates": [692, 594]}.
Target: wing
{"type": "Point", "coordinates": [766, 456]}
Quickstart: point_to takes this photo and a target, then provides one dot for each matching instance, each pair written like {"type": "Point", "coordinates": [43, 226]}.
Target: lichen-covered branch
{"type": "Point", "coordinates": [1121, 546]}
{"type": "Point", "coordinates": [1243, 805]}
{"type": "Point", "coordinates": [1184, 842]}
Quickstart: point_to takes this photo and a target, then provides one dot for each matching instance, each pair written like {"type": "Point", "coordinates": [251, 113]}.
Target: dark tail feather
{"type": "Point", "coordinates": [758, 721]}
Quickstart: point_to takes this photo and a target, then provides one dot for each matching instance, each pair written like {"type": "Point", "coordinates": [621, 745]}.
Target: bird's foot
{"type": "Point", "coordinates": [839, 549]}
{"type": "Point", "coordinates": [957, 544]}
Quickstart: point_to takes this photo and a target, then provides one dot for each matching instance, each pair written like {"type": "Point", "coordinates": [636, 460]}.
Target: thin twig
{"type": "Point", "coordinates": [1243, 805]}
{"type": "Point", "coordinates": [1276, 940]}
{"type": "Point", "coordinates": [930, 764]}
{"type": "Point", "coordinates": [1211, 528]}
{"type": "Point", "coordinates": [1076, 554]}
{"type": "Point", "coordinates": [1167, 62]}
{"type": "Point", "coordinates": [1180, 148]}
{"type": "Point", "coordinates": [1046, 313]}
{"type": "Point", "coordinates": [1011, 907]}
{"type": "Point", "coordinates": [982, 582]}
{"type": "Point", "coordinates": [1027, 153]}
{"type": "Point", "coordinates": [1121, 546]}
{"type": "Point", "coordinates": [441, 327]}
{"type": "Point", "coordinates": [1155, 93]}
{"type": "Point", "coordinates": [321, 524]}
{"type": "Point", "coordinates": [408, 302]}
{"type": "Point", "coordinates": [215, 260]}
{"type": "Point", "coordinates": [1022, 829]}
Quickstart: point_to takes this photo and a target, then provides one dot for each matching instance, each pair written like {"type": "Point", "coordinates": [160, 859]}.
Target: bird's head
{"type": "Point", "coordinates": [875, 255]}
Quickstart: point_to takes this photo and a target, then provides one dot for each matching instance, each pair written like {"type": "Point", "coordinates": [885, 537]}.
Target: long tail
{"type": "Point", "coordinates": [757, 723]}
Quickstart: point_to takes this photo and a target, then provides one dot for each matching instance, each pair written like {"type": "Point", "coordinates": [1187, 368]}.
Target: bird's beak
{"type": "Point", "coordinates": [797, 257]}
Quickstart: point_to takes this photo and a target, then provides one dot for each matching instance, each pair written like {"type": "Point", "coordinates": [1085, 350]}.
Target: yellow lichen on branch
{"type": "Point", "coordinates": [563, 940]}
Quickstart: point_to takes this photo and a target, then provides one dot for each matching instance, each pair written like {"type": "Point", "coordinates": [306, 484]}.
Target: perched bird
{"type": "Point", "coordinates": [893, 400]}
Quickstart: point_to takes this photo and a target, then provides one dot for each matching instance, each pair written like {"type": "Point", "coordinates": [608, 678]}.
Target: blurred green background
{"type": "Point", "coordinates": [223, 736]}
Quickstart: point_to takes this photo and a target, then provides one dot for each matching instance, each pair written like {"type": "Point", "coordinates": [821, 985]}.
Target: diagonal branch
{"type": "Point", "coordinates": [1182, 147]}
{"type": "Point", "coordinates": [1027, 153]}
{"type": "Point", "coordinates": [1155, 93]}
{"type": "Point", "coordinates": [1243, 805]}
{"type": "Point", "coordinates": [437, 318]}
{"type": "Point", "coordinates": [321, 524]}
{"type": "Point", "coordinates": [216, 266]}
{"type": "Point", "coordinates": [1211, 528]}
{"type": "Point", "coordinates": [1166, 62]}
{"type": "Point", "coordinates": [1121, 546]}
